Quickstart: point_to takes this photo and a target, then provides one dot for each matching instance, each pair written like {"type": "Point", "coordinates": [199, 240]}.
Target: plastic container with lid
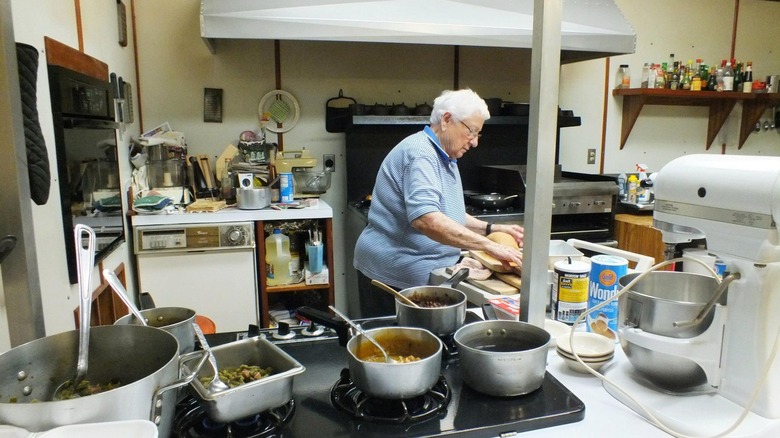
{"type": "Point", "coordinates": [277, 258]}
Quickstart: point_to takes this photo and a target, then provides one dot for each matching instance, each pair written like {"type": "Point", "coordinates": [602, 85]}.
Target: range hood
{"type": "Point", "coordinates": [590, 29]}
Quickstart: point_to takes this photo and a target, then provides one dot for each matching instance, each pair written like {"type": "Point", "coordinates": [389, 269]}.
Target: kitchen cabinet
{"type": "Point", "coordinates": [720, 105]}
{"type": "Point", "coordinates": [635, 233]}
{"type": "Point", "coordinates": [294, 295]}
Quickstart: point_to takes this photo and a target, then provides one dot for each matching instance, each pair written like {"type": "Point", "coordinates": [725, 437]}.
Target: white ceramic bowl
{"type": "Point", "coordinates": [588, 345]}
{"type": "Point", "coordinates": [585, 359]}
{"type": "Point", "coordinates": [556, 329]}
{"type": "Point", "coordinates": [578, 367]}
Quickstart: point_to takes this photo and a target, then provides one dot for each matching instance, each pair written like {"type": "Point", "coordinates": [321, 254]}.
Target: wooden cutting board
{"type": "Point", "coordinates": [490, 262]}
{"type": "Point", "coordinates": [492, 285]}
{"type": "Point", "coordinates": [513, 280]}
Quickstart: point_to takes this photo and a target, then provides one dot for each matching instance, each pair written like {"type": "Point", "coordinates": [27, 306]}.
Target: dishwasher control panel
{"type": "Point", "coordinates": [194, 237]}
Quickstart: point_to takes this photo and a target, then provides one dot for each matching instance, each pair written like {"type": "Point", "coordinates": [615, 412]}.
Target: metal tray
{"type": "Point", "coordinates": [250, 398]}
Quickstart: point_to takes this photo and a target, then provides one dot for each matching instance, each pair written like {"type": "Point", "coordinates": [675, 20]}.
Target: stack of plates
{"type": "Point", "coordinates": [593, 349]}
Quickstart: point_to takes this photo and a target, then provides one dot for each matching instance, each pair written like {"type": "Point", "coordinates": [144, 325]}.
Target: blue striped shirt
{"type": "Point", "coordinates": [415, 178]}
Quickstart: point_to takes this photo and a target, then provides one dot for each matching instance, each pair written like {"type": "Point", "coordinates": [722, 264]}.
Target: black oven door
{"type": "Point", "coordinates": [85, 136]}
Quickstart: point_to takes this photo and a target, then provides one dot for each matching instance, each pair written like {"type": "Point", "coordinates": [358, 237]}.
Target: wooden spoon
{"type": "Point", "coordinates": [397, 294]}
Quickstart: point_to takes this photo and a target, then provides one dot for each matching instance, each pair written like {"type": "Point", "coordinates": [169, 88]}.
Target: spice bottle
{"type": "Point", "coordinates": [631, 189]}
{"type": "Point", "coordinates": [623, 77]}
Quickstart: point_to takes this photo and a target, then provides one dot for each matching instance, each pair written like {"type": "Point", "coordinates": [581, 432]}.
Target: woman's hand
{"type": "Point", "coordinates": [506, 255]}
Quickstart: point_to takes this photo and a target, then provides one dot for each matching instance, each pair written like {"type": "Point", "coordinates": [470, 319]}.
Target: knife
{"type": "Point", "coordinates": [120, 91]}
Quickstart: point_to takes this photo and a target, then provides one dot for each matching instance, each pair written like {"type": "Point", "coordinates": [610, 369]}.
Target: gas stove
{"type": "Point", "coordinates": [327, 404]}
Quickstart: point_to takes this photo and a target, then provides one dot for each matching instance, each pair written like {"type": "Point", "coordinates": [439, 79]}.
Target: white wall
{"type": "Point", "coordinates": [689, 29]}
{"type": "Point", "coordinates": [32, 20]}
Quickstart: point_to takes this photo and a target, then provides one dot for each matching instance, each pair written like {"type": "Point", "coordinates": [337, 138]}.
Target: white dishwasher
{"type": "Point", "coordinates": [209, 268]}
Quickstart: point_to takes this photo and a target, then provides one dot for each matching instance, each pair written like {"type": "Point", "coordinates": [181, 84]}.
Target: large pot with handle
{"type": "Point", "coordinates": [440, 309]}
{"type": "Point", "coordinates": [145, 361]}
{"type": "Point", "coordinates": [174, 320]}
{"type": "Point", "coordinates": [389, 381]}
{"type": "Point", "coordinates": [502, 358]}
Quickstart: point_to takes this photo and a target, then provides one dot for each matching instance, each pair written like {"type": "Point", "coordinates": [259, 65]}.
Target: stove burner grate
{"type": "Point", "coordinates": [347, 397]}
{"type": "Point", "coordinates": [191, 421]}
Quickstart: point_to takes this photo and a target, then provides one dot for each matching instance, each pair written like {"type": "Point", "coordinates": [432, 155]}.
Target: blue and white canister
{"type": "Point", "coordinates": [286, 189]}
{"type": "Point", "coordinates": [605, 271]}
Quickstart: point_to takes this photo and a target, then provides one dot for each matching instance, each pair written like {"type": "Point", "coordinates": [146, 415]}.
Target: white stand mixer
{"type": "Point", "coordinates": [734, 203]}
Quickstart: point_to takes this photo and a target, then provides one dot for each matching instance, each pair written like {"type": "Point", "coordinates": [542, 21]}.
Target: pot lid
{"type": "Point", "coordinates": [590, 29]}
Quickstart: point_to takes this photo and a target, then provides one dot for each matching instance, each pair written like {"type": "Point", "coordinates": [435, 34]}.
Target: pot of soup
{"type": "Point", "coordinates": [502, 358]}
{"type": "Point", "coordinates": [415, 366]}
{"type": "Point", "coordinates": [415, 357]}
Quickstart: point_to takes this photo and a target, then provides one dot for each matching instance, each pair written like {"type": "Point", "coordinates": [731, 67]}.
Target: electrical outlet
{"type": "Point", "coordinates": [591, 156]}
{"type": "Point", "coordinates": [329, 162]}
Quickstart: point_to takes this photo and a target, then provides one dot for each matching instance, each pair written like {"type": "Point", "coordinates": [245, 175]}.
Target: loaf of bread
{"type": "Point", "coordinates": [503, 238]}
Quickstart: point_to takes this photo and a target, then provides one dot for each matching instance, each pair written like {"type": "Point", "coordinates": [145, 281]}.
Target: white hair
{"type": "Point", "coordinates": [461, 104]}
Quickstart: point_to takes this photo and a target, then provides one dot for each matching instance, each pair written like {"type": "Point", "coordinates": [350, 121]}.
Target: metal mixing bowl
{"type": "Point", "coordinates": [653, 305]}
{"type": "Point", "coordinates": [662, 297]}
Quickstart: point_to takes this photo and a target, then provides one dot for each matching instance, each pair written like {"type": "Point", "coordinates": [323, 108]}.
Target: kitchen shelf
{"type": "Point", "coordinates": [564, 121]}
{"type": "Point", "coordinates": [720, 105]}
{"type": "Point", "coordinates": [294, 287]}
{"type": "Point", "coordinates": [326, 290]}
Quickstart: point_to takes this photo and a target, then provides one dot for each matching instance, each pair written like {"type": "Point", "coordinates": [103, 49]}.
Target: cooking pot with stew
{"type": "Point", "coordinates": [442, 308]}
{"type": "Point", "coordinates": [142, 361]}
{"type": "Point", "coordinates": [418, 351]}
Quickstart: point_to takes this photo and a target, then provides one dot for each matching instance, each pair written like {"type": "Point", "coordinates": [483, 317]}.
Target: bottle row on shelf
{"type": "Point", "coordinates": [730, 75]}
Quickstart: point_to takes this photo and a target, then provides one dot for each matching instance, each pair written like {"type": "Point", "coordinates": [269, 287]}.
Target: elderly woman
{"type": "Point", "coordinates": [418, 220]}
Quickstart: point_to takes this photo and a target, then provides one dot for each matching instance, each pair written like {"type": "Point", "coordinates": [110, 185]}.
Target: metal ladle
{"type": "Point", "coordinates": [85, 260]}
{"type": "Point", "coordinates": [397, 294]}
{"type": "Point", "coordinates": [216, 384]}
{"type": "Point", "coordinates": [120, 290]}
{"type": "Point", "coordinates": [360, 330]}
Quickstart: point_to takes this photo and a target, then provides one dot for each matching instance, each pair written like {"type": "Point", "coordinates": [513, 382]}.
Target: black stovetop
{"type": "Point", "coordinates": [469, 413]}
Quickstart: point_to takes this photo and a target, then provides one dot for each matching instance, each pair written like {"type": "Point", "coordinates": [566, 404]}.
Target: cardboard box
{"type": "Point", "coordinates": [318, 278]}
{"type": "Point", "coordinates": [506, 308]}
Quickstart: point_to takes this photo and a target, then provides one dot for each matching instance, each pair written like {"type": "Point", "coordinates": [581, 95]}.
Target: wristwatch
{"type": "Point", "coordinates": [488, 228]}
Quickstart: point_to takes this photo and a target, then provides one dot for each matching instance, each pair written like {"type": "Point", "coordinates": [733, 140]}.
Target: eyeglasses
{"type": "Point", "coordinates": [472, 132]}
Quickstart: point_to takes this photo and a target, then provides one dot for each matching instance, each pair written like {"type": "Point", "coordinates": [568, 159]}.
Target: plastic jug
{"type": "Point", "coordinates": [277, 259]}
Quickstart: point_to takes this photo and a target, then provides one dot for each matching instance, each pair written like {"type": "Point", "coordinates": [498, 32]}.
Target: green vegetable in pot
{"type": "Point", "coordinates": [238, 376]}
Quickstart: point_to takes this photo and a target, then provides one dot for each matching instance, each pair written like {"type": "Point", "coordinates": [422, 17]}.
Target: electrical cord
{"type": "Point", "coordinates": [646, 412]}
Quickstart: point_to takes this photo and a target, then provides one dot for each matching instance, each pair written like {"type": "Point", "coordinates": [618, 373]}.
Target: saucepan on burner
{"type": "Point", "coordinates": [491, 200]}
{"type": "Point", "coordinates": [441, 309]}
{"type": "Point", "coordinates": [418, 351]}
{"type": "Point", "coordinates": [502, 358]}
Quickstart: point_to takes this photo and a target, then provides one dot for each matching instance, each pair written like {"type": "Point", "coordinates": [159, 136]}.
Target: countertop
{"type": "Point", "coordinates": [604, 415]}
{"type": "Point", "coordinates": [701, 415]}
{"type": "Point", "coordinates": [233, 214]}
{"type": "Point", "coordinates": [607, 416]}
